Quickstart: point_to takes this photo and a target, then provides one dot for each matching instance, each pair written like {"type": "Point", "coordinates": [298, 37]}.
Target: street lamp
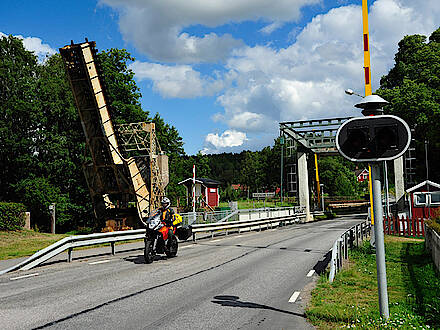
{"type": "Point", "coordinates": [351, 92]}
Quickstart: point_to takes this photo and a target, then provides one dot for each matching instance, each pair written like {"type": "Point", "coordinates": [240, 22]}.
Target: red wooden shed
{"type": "Point", "coordinates": [424, 199]}
{"type": "Point", "coordinates": [207, 191]}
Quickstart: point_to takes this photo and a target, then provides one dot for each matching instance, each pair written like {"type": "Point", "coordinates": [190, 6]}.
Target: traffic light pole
{"type": "Point", "coordinates": [380, 244]}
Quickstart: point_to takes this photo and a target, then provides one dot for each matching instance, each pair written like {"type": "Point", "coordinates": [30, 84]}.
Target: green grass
{"type": "Point", "coordinates": [22, 243]}
{"type": "Point", "coordinates": [352, 299]}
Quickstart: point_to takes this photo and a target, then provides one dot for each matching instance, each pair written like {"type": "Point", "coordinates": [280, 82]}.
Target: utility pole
{"type": "Point", "coordinates": [52, 217]}
{"type": "Point", "coordinates": [376, 187]}
{"type": "Point", "coordinates": [380, 243]}
{"type": "Point", "coordinates": [282, 165]}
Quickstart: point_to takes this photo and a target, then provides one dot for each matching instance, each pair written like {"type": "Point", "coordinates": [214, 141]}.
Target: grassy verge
{"type": "Point", "coordinates": [23, 243]}
{"type": "Point", "coordinates": [16, 244]}
{"type": "Point", "coordinates": [352, 299]}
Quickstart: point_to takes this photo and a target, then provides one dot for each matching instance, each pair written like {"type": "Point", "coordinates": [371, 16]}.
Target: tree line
{"type": "Point", "coordinates": [42, 143]}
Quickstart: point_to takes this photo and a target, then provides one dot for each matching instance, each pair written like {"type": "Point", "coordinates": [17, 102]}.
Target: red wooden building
{"type": "Point", "coordinates": [207, 192]}
{"type": "Point", "coordinates": [361, 175]}
{"type": "Point", "coordinates": [424, 200]}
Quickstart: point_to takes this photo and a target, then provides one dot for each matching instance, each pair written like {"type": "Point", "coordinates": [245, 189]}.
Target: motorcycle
{"type": "Point", "coordinates": [160, 239]}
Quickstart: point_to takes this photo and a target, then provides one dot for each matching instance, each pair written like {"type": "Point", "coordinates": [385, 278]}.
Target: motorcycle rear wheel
{"type": "Point", "coordinates": [172, 250]}
{"type": "Point", "coordinates": [148, 252]}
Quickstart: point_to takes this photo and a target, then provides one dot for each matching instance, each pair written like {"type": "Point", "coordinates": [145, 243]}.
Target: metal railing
{"type": "Point", "coordinates": [352, 237]}
{"type": "Point", "coordinates": [71, 242]}
{"type": "Point", "coordinates": [255, 219]}
{"type": "Point", "coordinates": [192, 218]}
{"type": "Point", "coordinates": [250, 224]}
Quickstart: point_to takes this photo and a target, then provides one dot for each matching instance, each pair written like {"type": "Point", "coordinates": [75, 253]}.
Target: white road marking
{"type": "Point", "coordinates": [309, 274]}
{"type": "Point", "coordinates": [294, 296]}
{"type": "Point", "coordinates": [185, 247]}
{"type": "Point", "coordinates": [99, 262]}
{"type": "Point", "coordinates": [23, 276]}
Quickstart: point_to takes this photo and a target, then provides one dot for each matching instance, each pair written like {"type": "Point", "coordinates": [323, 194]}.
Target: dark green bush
{"type": "Point", "coordinates": [434, 223]}
{"type": "Point", "coordinates": [11, 216]}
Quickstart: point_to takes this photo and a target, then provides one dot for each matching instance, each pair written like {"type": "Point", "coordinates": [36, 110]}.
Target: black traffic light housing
{"type": "Point", "coordinates": [373, 138]}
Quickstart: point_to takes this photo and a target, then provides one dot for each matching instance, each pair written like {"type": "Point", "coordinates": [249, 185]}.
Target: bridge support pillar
{"type": "Point", "coordinates": [303, 184]}
{"type": "Point", "coordinates": [399, 183]}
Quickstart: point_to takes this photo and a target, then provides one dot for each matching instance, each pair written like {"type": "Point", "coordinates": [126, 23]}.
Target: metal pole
{"type": "Point", "coordinates": [281, 179]}
{"type": "Point", "coordinates": [387, 196]}
{"type": "Point", "coordinates": [194, 189]}
{"type": "Point", "coordinates": [322, 196]}
{"type": "Point", "coordinates": [52, 218]}
{"type": "Point", "coordinates": [380, 245]}
{"type": "Point", "coordinates": [426, 161]}
{"type": "Point", "coordinates": [318, 187]}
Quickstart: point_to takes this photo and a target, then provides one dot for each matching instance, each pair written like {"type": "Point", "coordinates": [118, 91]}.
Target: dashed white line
{"type": "Point", "coordinates": [309, 274]}
{"type": "Point", "coordinates": [294, 296]}
{"type": "Point", "coordinates": [99, 262]}
{"type": "Point", "coordinates": [23, 276]}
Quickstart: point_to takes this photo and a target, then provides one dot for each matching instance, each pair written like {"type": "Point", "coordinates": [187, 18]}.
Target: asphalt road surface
{"type": "Point", "coordinates": [256, 280]}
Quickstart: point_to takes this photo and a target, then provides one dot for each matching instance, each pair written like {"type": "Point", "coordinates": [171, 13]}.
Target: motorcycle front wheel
{"type": "Point", "coordinates": [172, 250]}
{"type": "Point", "coordinates": [148, 252]}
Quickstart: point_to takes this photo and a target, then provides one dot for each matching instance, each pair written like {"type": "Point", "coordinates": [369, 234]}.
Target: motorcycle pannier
{"type": "Point", "coordinates": [184, 232]}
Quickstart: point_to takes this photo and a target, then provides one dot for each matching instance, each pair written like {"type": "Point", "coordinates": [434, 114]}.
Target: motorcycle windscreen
{"type": "Point", "coordinates": [183, 233]}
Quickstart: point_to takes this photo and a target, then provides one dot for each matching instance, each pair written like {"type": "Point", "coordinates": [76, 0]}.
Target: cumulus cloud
{"type": "Point", "coordinates": [229, 138]}
{"type": "Point", "coordinates": [179, 81]}
{"type": "Point", "coordinates": [307, 79]}
{"type": "Point", "coordinates": [35, 45]}
{"type": "Point", "coordinates": [157, 27]}
{"type": "Point", "coordinates": [262, 85]}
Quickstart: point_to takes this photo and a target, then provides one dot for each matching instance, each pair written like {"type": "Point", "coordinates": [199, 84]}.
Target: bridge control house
{"type": "Point", "coordinates": [424, 200]}
{"type": "Point", "coordinates": [207, 192]}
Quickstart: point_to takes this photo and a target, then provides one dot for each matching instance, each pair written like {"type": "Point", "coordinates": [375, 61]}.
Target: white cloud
{"type": "Point", "coordinates": [179, 81]}
{"type": "Point", "coordinates": [157, 27]}
{"type": "Point", "coordinates": [262, 85]}
{"type": "Point", "coordinates": [35, 45]}
{"type": "Point", "coordinates": [268, 29]}
{"type": "Point", "coordinates": [307, 79]}
{"type": "Point", "coordinates": [229, 138]}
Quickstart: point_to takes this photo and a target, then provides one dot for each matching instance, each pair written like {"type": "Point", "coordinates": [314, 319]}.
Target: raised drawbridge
{"type": "Point", "coordinates": [125, 170]}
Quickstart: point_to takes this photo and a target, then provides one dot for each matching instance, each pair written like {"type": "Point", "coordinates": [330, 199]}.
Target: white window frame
{"type": "Point", "coordinates": [416, 204]}
{"type": "Point", "coordinates": [430, 198]}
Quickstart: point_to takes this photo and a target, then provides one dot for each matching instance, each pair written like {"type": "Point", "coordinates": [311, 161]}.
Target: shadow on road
{"type": "Point", "coordinates": [141, 260]}
{"type": "Point", "coordinates": [322, 264]}
{"type": "Point", "coordinates": [233, 301]}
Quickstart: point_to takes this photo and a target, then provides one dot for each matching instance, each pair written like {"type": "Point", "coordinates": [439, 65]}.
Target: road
{"type": "Point", "coordinates": [248, 281]}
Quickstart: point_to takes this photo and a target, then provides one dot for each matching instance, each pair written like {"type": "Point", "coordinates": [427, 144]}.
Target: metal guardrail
{"type": "Point", "coordinates": [192, 218]}
{"type": "Point", "coordinates": [352, 237]}
{"type": "Point", "coordinates": [238, 226]}
{"type": "Point", "coordinates": [265, 218]}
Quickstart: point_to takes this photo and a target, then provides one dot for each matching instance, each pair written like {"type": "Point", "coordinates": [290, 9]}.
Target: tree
{"type": "Point", "coordinates": [337, 177]}
{"type": "Point", "coordinates": [121, 88]}
{"type": "Point", "coordinates": [60, 147]}
{"type": "Point", "coordinates": [41, 139]}
{"type": "Point", "coordinates": [169, 139]}
{"type": "Point", "coordinates": [412, 87]}
{"type": "Point", "coordinates": [19, 114]}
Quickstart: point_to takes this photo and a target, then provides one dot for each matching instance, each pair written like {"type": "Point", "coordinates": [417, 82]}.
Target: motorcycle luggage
{"type": "Point", "coordinates": [184, 232]}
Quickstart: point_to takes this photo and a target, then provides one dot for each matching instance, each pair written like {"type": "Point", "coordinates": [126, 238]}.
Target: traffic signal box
{"type": "Point", "coordinates": [373, 138]}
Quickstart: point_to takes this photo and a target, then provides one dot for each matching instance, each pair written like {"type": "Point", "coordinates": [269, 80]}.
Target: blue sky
{"type": "Point", "coordinates": [225, 73]}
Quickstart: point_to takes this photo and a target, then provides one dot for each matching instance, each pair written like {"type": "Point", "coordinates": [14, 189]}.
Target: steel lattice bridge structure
{"type": "Point", "coordinates": [317, 137]}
